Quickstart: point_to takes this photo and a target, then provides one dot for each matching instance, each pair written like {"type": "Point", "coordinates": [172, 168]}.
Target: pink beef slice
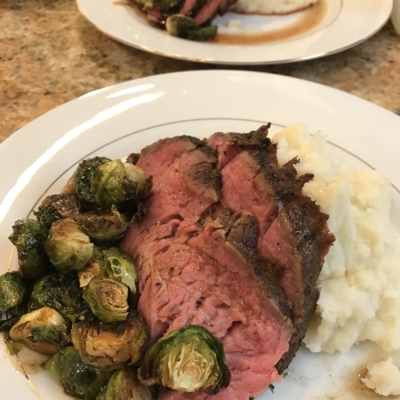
{"type": "Point", "coordinates": [254, 183]}
{"type": "Point", "coordinates": [196, 271]}
{"type": "Point", "coordinates": [221, 286]}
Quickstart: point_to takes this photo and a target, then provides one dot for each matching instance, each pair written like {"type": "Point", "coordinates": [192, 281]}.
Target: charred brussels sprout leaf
{"type": "Point", "coordinates": [67, 246]}
{"type": "Point", "coordinates": [61, 292]}
{"type": "Point", "coordinates": [83, 181]}
{"type": "Point", "coordinates": [186, 28]}
{"type": "Point", "coordinates": [120, 185]}
{"type": "Point", "coordinates": [108, 299]}
{"type": "Point", "coordinates": [124, 384]}
{"type": "Point", "coordinates": [94, 268]}
{"type": "Point", "coordinates": [43, 330]}
{"type": "Point", "coordinates": [101, 226]}
{"type": "Point", "coordinates": [29, 237]}
{"type": "Point", "coordinates": [140, 338]}
{"type": "Point", "coordinates": [129, 215]}
{"type": "Point", "coordinates": [120, 266]}
{"type": "Point", "coordinates": [190, 359]}
{"type": "Point", "coordinates": [78, 380]}
{"type": "Point", "coordinates": [106, 346]}
{"type": "Point", "coordinates": [12, 290]}
{"type": "Point", "coordinates": [55, 207]}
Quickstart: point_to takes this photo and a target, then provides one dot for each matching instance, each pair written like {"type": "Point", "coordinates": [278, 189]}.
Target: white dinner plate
{"type": "Point", "coordinates": [115, 121]}
{"type": "Point", "coordinates": [346, 23]}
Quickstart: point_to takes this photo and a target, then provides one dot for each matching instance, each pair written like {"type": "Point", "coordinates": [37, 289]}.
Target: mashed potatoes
{"type": "Point", "coordinates": [360, 280]}
{"type": "Point", "coordinates": [271, 6]}
{"type": "Point", "coordinates": [383, 377]}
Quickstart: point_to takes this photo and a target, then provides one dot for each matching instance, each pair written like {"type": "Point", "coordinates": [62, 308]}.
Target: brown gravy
{"type": "Point", "coordinates": [312, 17]}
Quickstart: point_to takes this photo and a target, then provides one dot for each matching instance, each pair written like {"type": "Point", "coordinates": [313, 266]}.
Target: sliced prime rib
{"type": "Point", "coordinates": [198, 264]}
{"type": "Point", "coordinates": [202, 11]}
{"type": "Point", "coordinates": [293, 235]}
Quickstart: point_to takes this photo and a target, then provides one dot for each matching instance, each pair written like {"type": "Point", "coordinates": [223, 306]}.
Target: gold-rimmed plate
{"type": "Point", "coordinates": [38, 159]}
{"type": "Point", "coordinates": [328, 27]}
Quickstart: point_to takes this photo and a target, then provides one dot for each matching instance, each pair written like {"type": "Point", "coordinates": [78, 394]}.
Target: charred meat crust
{"type": "Point", "coordinates": [314, 239]}
{"type": "Point", "coordinates": [205, 177]}
{"type": "Point", "coordinates": [283, 180]}
{"type": "Point", "coordinates": [300, 329]}
{"type": "Point", "coordinates": [257, 138]}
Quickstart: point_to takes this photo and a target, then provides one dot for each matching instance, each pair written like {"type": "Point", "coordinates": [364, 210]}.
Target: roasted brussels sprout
{"type": "Point", "coordinates": [55, 207]}
{"type": "Point", "coordinates": [95, 267]}
{"type": "Point", "coordinates": [61, 292]}
{"type": "Point", "coordinates": [29, 237]}
{"type": "Point", "coordinates": [43, 330]}
{"type": "Point", "coordinates": [124, 384]}
{"type": "Point", "coordinates": [107, 298]}
{"type": "Point", "coordinates": [83, 181]}
{"type": "Point", "coordinates": [184, 27]}
{"type": "Point", "coordinates": [101, 226]}
{"type": "Point", "coordinates": [78, 380]}
{"type": "Point", "coordinates": [115, 183]}
{"type": "Point", "coordinates": [189, 359]}
{"type": "Point", "coordinates": [107, 346]}
{"type": "Point", "coordinates": [12, 290]}
{"type": "Point", "coordinates": [67, 246]}
{"type": "Point", "coordinates": [120, 266]}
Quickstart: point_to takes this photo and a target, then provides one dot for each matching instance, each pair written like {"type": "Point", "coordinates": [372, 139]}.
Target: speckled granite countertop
{"type": "Point", "coordinates": [50, 54]}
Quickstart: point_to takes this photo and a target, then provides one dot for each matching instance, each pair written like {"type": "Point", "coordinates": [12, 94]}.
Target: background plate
{"type": "Point", "coordinates": [114, 121]}
{"type": "Point", "coordinates": [347, 23]}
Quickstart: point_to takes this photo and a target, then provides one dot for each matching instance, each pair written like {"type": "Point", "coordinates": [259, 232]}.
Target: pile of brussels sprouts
{"type": "Point", "coordinates": [74, 296]}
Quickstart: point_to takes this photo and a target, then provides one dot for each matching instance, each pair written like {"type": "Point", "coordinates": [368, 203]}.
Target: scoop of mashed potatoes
{"type": "Point", "coordinates": [383, 377]}
{"type": "Point", "coordinates": [360, 280]}
{"type": "Point", "coordinates": [271, 6]}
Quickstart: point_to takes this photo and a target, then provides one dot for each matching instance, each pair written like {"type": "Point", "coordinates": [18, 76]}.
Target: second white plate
{"type": "Point", "coordinates": [345, 24]}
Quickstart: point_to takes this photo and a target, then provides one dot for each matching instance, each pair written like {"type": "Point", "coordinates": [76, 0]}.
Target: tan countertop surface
{"type": "Point", "coordinates": [49, 54]}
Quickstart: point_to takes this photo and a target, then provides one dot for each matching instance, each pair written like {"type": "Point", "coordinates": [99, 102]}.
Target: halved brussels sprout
{"type": "Point", "coordinates": [78, 379]}
{"type": "Point", "coordinates": [43, 330]}
{"type": "Point", "coordinates": [29, 237]}
{"type": "Point", "coordinates": [101, 226]}
{"type": "Point", "coordinates": [189, 359]}
{"type": "Point", "coordinates": [67, 246]}
{"type": "Point", "coordinates": [12, 290]}
{"type": "Point", "coordinates": [55, 207]}
{"type": "Point", "coordinates": [108, 299]}
{"type": "Point", "coordinates": [107, 346]}
{"type": "Point", "coordinates": [185, 27]}
{"type": "Point", "coordinates": [120, 266]}
{"type": "Point", "coordinates": [125, 385]}
{"type": "Point", "coordinates": [83, 181]}
{"type": "Point", "coordinates": [94, 268]}
{"type": "Point", "coordinates": [61, 292]}
{"type": "Point", "coordinates": [115, 182]}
